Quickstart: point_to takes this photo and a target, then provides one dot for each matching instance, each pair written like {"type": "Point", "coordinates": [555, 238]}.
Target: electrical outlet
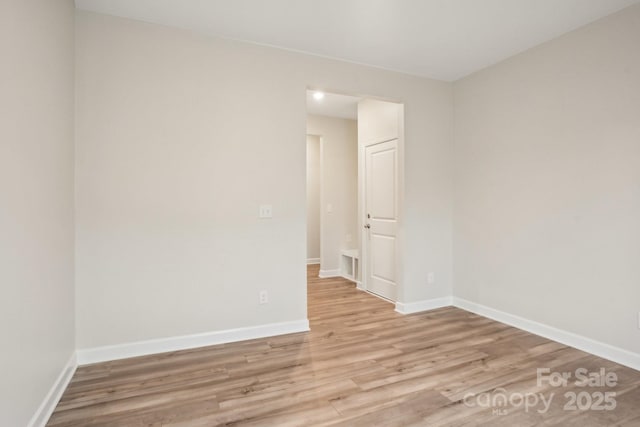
{"type": "Point", "coordinates": [431, 278]}
{"type": "Point", "coordinates": [264, 297]}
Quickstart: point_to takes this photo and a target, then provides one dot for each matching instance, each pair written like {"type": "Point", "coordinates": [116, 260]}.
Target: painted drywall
{"type": "Point", "coordinates": [313, 198]}
{"type": "Point", "coordinates": [36, 202]}
{"type": "Point", "coordinates": [339, 188]}
{"type": "Point", "coordinates": [180, 138]}
{"type": "Point", "coordinates": [547, 183]}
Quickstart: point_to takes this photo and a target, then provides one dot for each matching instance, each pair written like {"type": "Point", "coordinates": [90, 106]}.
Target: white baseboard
{"type": "Point", "coordinates": [325, 274]}
{"type": "Point", "coordinates": [311, 261]}
{"type": "Point", "coordinates": [424, 305]}
{"type": "Point", "coordinates": [52, 398]}
{"type": "Point", "coordinates": [606, 351]}
{"type": "Point", "coordinates": [359, 285]}
{"type": "Point", "coordinates": [142, 348]}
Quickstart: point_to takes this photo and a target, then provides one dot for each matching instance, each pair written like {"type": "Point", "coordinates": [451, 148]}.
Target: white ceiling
{"type": "Point", "coordinates": [333, 105]}
{"type": "Point", "coordinates": [442, 39]}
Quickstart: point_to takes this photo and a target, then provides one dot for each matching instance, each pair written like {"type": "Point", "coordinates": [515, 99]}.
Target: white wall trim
{"type": "Point", "coordinates": [325, 274]}
{"type": "Point", "coordinates": [424, 305]}
{"type": "Point", "coordinates": [184, 342]}
{"type": "Point", "coordinates": [52, 398]}
{"type": "Point", "coordinates": [311, 261]}
{"type": "Point", "coordinates": [606, 351]}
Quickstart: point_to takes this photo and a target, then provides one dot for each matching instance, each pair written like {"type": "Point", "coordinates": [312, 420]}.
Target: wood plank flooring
{"type": "Point", "coordinates": [362, 364]}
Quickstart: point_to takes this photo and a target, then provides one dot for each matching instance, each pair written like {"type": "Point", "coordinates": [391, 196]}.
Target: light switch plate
{"type": "Point", "coordinates": [266, 211]}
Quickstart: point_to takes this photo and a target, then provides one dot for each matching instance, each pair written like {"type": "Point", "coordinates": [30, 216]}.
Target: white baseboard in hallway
{"type": "Point", "coordinates": [326, 274]}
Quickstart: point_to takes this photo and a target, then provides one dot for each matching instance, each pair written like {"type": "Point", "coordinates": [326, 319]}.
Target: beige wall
{"type": "Point", "coordinates": [547, 183]}
{"type": "Point", "coordinates": [36, 202]}
{"type": "Point", "coordinates": [179, 139]}
{"type": "Point", "coordinates": [313, 198]}
{"type": "Point", "coordinates": [339, 186]}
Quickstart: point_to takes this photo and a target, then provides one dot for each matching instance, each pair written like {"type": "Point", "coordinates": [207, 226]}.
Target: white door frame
{"type": "Point", "coordinates": [320, 195]}
{"type": "Point", "coordinates": [364, 256]}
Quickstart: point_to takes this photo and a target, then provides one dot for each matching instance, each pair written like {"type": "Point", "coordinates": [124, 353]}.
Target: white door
{"type": "Point", "coordinates": [381, 208]}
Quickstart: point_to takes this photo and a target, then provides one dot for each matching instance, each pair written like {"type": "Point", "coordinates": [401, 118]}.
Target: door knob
{"type": "Point", "coordinates": [367, 226]}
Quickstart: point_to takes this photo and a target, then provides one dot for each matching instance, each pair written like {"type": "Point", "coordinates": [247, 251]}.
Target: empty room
{"type": "Point", "coordinates": [320, 213]}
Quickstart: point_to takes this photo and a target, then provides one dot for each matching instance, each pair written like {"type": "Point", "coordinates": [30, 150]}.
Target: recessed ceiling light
{"type": "Point", "coordinates": [318, 96]}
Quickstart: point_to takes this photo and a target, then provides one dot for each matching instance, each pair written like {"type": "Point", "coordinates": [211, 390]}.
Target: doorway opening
{"type": "Point", "coordinates": [354, 190]}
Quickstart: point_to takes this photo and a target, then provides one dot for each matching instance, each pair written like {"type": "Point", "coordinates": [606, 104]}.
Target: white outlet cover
{"type": "Point", "coordinates": [264, 297]}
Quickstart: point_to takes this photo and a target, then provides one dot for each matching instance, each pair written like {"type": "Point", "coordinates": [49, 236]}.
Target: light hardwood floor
{"type": "Point", "coordinates": [362, 364]}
